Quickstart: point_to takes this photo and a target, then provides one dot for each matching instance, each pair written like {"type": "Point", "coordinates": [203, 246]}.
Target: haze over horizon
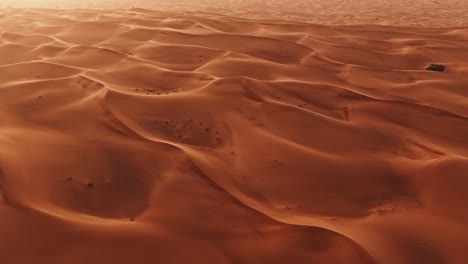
{"type": "Point", "coordinates": [391, 12]}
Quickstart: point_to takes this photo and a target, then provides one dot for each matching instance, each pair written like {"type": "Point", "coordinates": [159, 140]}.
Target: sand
{"type": "Point", "coordinates": [138, 136]}
{"type": "Point", "coordinates": [427, 13]}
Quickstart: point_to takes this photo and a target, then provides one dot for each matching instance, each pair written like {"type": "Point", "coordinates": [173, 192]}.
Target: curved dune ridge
{"type": "Point", "coordinates": [136, 136]}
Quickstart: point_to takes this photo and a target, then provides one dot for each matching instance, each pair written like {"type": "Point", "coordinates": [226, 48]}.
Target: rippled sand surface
{"type": "Point", "coordinates": [139, 136]}
{"type": "Point", "coordinates": [434, 13]}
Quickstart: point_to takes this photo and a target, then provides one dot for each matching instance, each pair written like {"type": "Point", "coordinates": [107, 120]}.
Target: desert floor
{"type": "Point", "coordinates": [138, 136]}
{"type": "Point", "coordinates": [427, 13]}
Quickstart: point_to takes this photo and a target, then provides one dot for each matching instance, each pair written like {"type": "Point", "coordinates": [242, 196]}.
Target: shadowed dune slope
{"type": "Point", "coordinates": [131, 136]}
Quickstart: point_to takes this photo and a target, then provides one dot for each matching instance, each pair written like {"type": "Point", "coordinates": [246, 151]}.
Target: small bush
{"type": "Point", "coordinates": [436, 67]}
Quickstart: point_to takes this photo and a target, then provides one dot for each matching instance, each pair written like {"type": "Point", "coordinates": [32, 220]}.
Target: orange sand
{"type": "Point", "coordinates": [135, 136]}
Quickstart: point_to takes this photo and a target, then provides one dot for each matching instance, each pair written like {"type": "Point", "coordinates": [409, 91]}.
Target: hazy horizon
{"type": "Point", "coordinates": [393, 12]}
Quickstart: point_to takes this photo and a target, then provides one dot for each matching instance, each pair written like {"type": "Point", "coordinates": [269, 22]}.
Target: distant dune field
{"type": "Point", "coordinates": [432, 13]}
{"type": "Point", "coordinates": [139, 136]}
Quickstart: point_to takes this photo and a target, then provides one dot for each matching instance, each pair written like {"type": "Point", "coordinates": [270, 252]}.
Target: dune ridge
{"type": "Point", "coordinates": [213, 139]}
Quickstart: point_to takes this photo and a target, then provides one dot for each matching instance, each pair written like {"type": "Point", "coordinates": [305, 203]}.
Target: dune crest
{"type": "Point", "coordinates": [212, 139]}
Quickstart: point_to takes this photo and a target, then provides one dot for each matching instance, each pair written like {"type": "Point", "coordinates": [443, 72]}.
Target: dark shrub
{"type": "Point", "coordinates": [436, 67]}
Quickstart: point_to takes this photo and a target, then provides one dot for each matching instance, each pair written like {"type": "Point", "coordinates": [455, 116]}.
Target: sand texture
{"type": "Point", "coordinates": [137, 136]}
{"type": "Point", "coordinates": [427, 13]}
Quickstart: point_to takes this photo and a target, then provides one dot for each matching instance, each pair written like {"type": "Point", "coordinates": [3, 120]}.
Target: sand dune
{"type": "Point", "coordinates": [434, 13]}
{"type": "Point", "coordinates": [136, 136]}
